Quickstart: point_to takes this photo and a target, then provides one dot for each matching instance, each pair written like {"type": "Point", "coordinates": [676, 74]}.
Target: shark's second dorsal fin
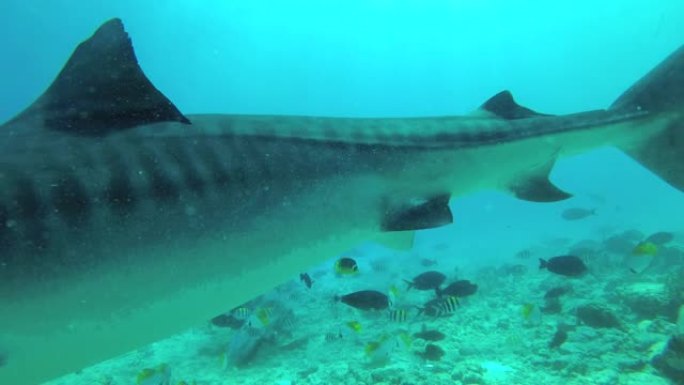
{"type": "Point", "coordinates": [102, 89]}
{"type": "Point", "coordinates": [534, 185]}
{"type": "Point", "coordinates": [504, 106]}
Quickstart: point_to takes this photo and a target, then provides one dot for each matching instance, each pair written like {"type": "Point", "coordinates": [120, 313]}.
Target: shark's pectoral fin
{"type": "Point", "coordinates": [417, 214]}
{"type": "Point", "coordinates": [101, 89]}
{"type": "Point", "coordinates": [535, 186]}
{"type": "Point", "coordinates": [502, 105]}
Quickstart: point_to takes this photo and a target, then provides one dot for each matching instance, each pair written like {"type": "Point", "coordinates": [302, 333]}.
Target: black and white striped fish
{"type": "Point", "coordinates": [398, 315]}
{"type": "Point", "coordinates": [441, 306]}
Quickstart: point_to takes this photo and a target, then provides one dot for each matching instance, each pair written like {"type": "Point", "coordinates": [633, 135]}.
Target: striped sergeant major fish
{"type": "Point", "coordinates": [397, 315]}
{"type": "Point", "coordinates": [440, 306]}
{"type": "Point", "coordinates": [124, 221]}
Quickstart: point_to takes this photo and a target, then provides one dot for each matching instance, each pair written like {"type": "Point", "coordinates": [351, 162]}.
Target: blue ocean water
{"type": "Point", "coordinates": [353, 58]}
{"type": "Point", "coordinates": [392, 58]}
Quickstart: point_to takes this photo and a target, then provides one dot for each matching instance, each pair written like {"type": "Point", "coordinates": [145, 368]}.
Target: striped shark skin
{"type": "Point", "coordinates": [123, 221]}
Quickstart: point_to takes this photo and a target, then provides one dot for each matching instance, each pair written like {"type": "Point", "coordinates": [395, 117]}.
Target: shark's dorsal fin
{"type": "Point", "coordinates": [535, 186]}
{"type": "Point", "coordinates": [102, 89]}
{"type": "Point", "coordinates": [503, 106]}
{"type": "Point", "coordinates": [419, 214]}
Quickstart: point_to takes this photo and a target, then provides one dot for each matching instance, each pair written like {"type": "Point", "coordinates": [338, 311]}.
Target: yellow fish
{"type": "Point", "coordinates": [263, 315]}
{"type": "Point", "coordinates": [354, 325]}
{"type": "Point", "coordinates": [394, 291]}
{"type": "Point", "coordinates": [406, 338]}
{"type": "Point", "coordinates": [642, 256]}
{"type": "Point", "coordinates": [374, 346]}
{"type": "Point", "coordinates": [526, 310]}
{"type": "Point", "coordinates": [154, 376]}
{"type": "Point", "coordinates": [346, 266]}
{"type": "Point", "coordinates": [645, 248]}
{"type": "Point", "coordinates": [531, 314]}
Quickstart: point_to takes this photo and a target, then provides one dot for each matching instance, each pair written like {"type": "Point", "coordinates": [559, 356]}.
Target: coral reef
{"type": "Point", "coordinates": [671, 360]}
{"type": "Point", "coordinates": [646, 299]}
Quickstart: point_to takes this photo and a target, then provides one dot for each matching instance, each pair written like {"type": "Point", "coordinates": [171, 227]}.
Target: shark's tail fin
{"type": "Point", "coordinates": [661, 94]}
{"type": "Point", "coordinates": [659, 90]}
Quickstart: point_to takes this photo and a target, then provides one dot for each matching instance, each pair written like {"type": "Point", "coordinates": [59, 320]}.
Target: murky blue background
{"type": "Point", "coordinates": [353, 57]}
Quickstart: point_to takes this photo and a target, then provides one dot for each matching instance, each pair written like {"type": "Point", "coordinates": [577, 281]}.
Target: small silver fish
{"type": "Point", "coordinates": [576, 213]}
{"type": "Point", "coordinates": [426, 262]}
{"type": "Point", "coordinates": [523, 254]}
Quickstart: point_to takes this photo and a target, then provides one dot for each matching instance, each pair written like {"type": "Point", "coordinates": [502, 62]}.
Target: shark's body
{"type": "Point", "coordinates": [124, 224]}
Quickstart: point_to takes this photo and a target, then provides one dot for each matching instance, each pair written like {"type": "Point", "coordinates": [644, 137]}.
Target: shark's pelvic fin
{"type": "Point", "coordinates": [417, 214]}
{"type": "Point", "coordinates": [503, 106]}
{"type": "Point", "coordinates": [535, 186]}
{"type": "Point", "coordinates": [102, 89]}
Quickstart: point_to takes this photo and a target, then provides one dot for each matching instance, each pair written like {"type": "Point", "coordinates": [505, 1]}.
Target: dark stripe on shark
{"type": "Point", "coordinates": [235, 164]}
{"type": "Point", "coordinates": [188, 169]}
{"type": "Point", "coordinates": [27, 199]}
{"type": "Point", "coordinates": [207, 155]}
{"type": "Point", "coordinates": [161, 186]}
{"type": "Point", "coordinates": [120, 193]}
{"type": "Point", "coordinates": [251, 164]}
{"type": "Point", "coordinates": [70, 199]}
{"type": "Point", "coordinates": [31, 212]}
{"type": "Point", "coordinates": [6, 232]}
{"type": "Point", "coordinates": [464, 137]}
{"type": "Point", "coordinates": [453, 134]}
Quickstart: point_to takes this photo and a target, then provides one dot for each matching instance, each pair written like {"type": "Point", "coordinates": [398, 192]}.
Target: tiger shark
{"type": "Point", "coordinates": [124, 221]}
